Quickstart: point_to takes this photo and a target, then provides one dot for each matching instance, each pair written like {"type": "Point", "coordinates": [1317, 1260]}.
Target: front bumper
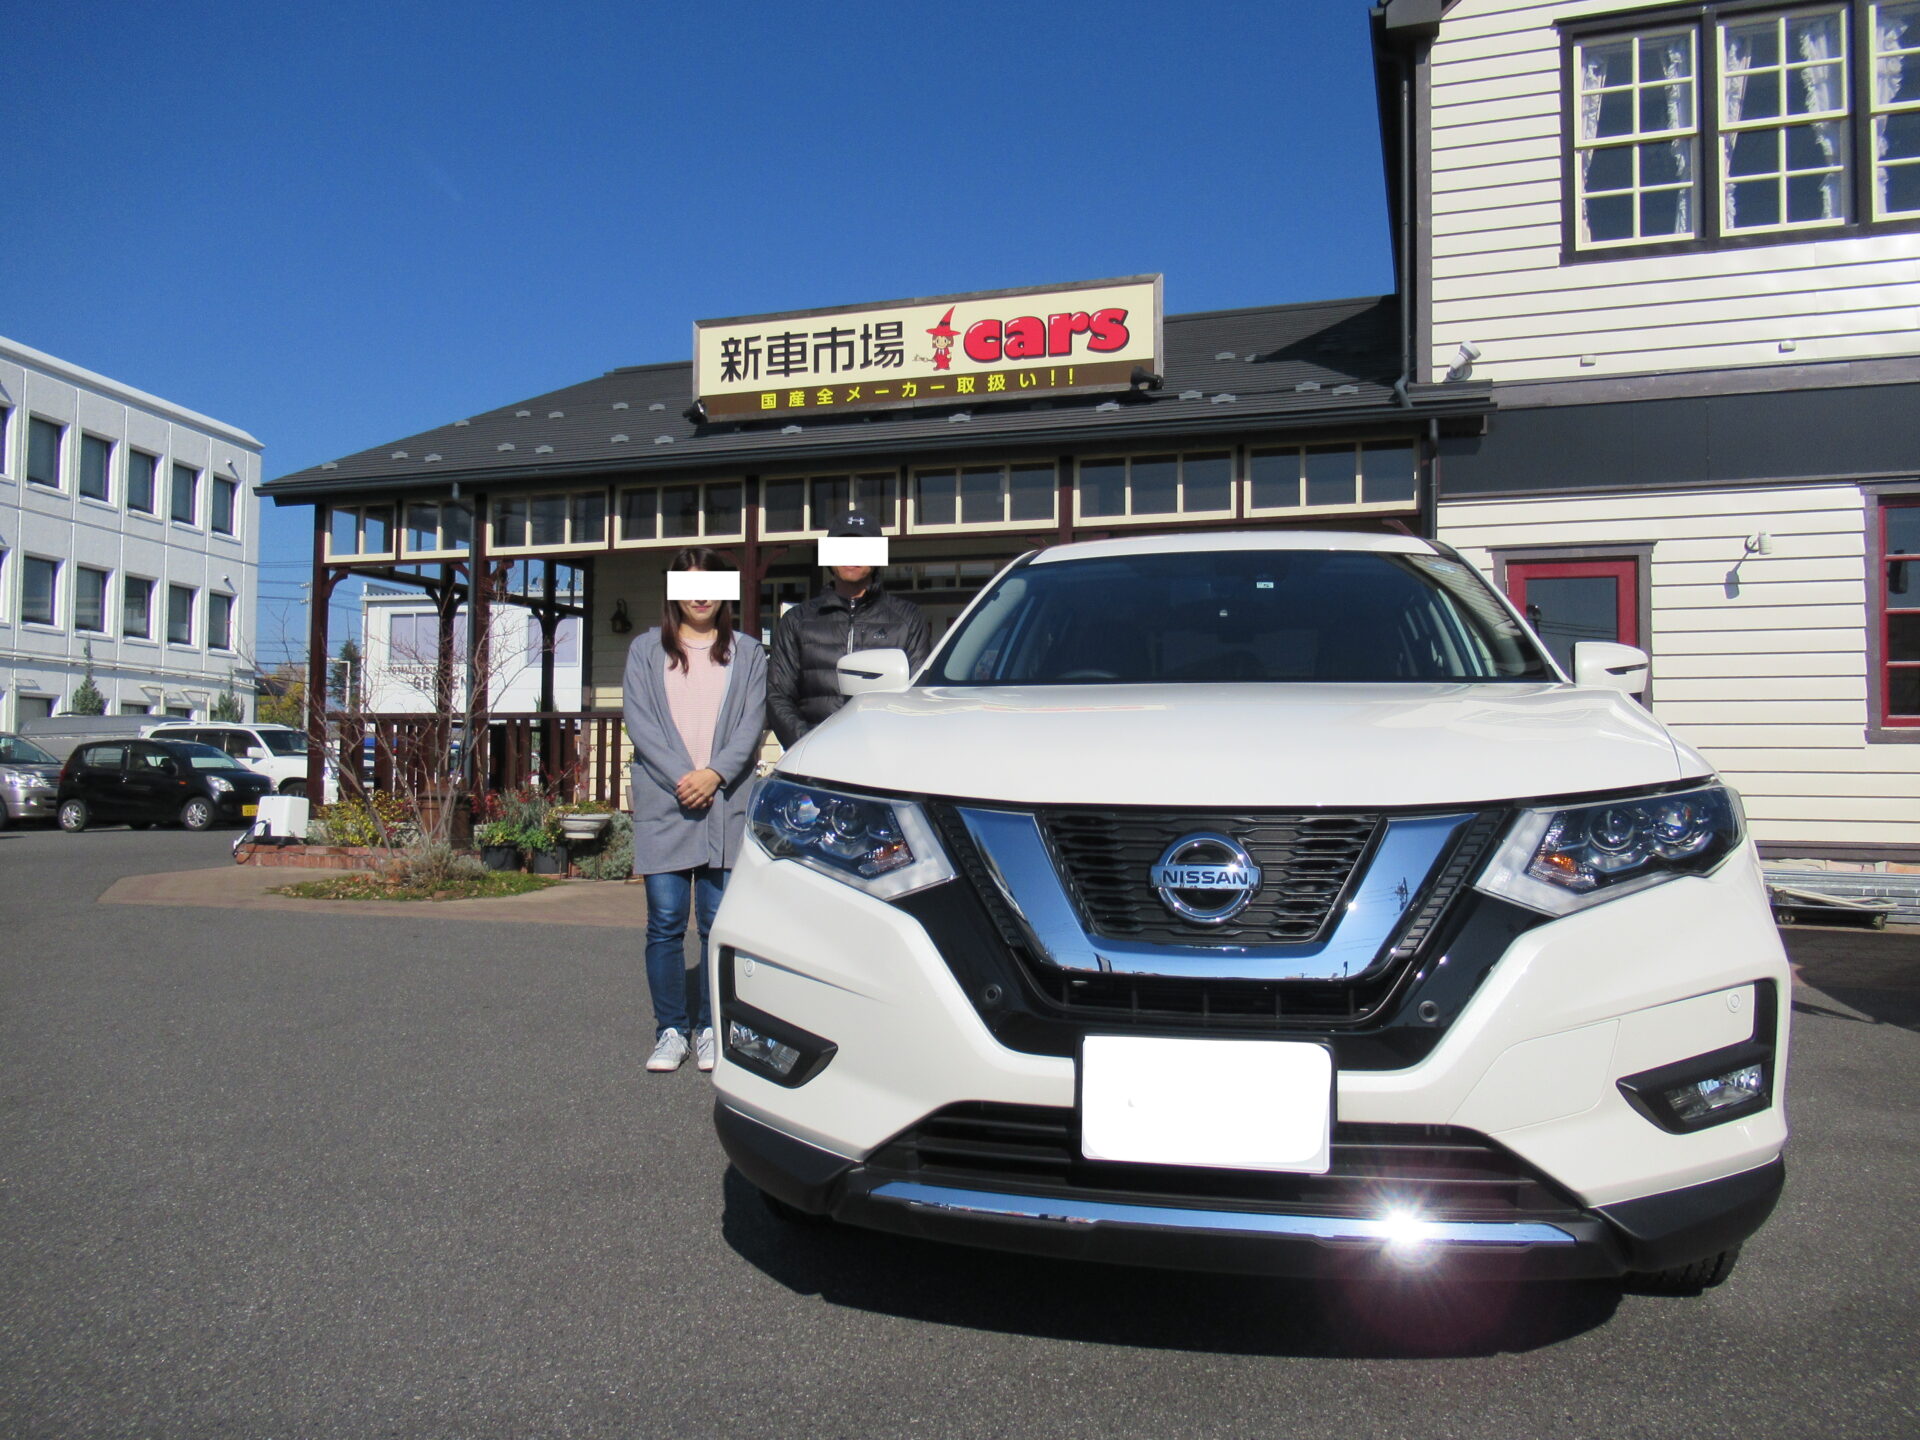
{"type": "Point", "coordinates": [1653, 1233]}
{"type": "Point", "coordinates": [36, 802]}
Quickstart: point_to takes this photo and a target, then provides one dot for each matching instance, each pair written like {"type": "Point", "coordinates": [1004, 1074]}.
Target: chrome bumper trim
{"type": "Point", "coordinates": [1392, 1232]}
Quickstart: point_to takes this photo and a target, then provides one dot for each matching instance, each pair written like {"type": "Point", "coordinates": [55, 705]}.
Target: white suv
{"type": "Point", "coordinates": [1258, 903]}
{"type": "Point", "coordinates": [277, 751]}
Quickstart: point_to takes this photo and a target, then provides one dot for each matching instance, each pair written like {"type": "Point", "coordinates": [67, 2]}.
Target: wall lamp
{"type": "Point", "coordinates": [1462, 367]}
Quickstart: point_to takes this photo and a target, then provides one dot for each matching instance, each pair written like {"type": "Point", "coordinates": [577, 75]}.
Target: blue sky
{"type": "Point", "coordinates": [335, 225]}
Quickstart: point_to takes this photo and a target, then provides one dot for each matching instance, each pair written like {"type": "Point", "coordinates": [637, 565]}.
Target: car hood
{"type": "Point", "coordinates": [1245, 745]}
{"type": "Point", "coordinates": [48, 773]}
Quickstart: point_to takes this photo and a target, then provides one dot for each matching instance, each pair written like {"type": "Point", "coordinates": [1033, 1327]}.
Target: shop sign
{"type": "Point", "coordinates": [951, 350]}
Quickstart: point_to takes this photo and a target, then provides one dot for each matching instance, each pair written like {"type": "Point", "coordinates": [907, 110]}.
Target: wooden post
{"type": "Point", "coordinates": [321, 601]}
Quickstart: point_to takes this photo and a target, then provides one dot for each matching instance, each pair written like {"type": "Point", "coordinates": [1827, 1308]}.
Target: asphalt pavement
{"type": "Point", "coordinates": [310, 1174]}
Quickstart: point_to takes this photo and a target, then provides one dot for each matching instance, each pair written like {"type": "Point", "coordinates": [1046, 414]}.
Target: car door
{"type": "Point", "coordinates": [156, 785]}
{"type": "Point", "coordinates": [101, 780]}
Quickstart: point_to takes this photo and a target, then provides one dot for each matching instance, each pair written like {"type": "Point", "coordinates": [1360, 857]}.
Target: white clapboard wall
{"type": "Point", "coordinates": [1498, 276]}
{"type": "Point", "coordinates": [1765, 674]}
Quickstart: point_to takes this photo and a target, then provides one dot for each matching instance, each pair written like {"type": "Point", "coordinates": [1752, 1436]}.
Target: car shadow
{"type": "Point", "coordinates": [1874, 973]}
{"type": "Point", "coordinates": [1421, 1315]}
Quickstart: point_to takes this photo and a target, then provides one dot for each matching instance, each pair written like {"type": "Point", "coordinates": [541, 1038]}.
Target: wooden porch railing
{"type": "Point", "coordinates": [577, 754]}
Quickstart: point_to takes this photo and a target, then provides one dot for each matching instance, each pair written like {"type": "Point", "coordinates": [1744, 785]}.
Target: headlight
{"type": "Point", "coordinates": [218, 786]}
{"type": "Point", "coordinates": [884, 847]}
{"type": "Point", "coordinates": [1559, 861]}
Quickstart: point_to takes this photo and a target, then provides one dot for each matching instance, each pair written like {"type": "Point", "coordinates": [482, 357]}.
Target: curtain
{"type": "Point", "coordinates": [1820, 87]}
{"type": "Point", "coordinates": [1738, 59]}
{"type": "Point", "coordinates": [1676, 69]}
{"type": "Point", "coordinates": [1895, 27]}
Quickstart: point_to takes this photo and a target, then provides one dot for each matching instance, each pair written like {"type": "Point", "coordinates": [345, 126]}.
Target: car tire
{"type": "Point", "coordinates": [1688, 1279]}
{"type": "Point", "coordinates": [74, 816]}
{"type": "Point", "coordinates": [295, 788]}
{"type": "Point", "coordinates": [197, 813]}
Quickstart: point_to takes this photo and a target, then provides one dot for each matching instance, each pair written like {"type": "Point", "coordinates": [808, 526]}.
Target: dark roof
{"type": "Point", "coordinates": [1268, 368]}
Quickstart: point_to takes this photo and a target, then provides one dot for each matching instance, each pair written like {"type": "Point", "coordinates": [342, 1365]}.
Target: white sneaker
{"type": "Point", "coordinates": [669, 1052]}
{"type": "Point", "coordinates": [703, 1048]}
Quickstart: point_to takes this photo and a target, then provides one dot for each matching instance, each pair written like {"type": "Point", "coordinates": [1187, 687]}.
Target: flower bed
{"type": "Point", "coordinates": [318, 857]}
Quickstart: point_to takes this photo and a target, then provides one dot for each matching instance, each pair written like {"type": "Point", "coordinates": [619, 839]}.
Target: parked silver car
{"type": "Point", "coordinates": [29, 781]}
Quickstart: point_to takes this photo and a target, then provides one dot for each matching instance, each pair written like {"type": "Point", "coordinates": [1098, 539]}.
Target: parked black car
{"type": "Point", "coordinates": [156, 782]}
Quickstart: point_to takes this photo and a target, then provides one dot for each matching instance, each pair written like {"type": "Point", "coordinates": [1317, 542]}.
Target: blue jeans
{"type": "Point", "coordinates": [675, 1007]}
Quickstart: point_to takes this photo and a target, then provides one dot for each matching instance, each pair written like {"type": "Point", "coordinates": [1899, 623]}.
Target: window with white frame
{"type": "Point", "coordinates": [142, 472]}
{"type": "Point", "coordinates": [226, 501]}
{"type": "Point", "coordinates": [437, 527]}
{"type": "Point", "coordinates": [6, 433]}
{"type": "Point", "coordinates": [219, 621]}
{"type": "Point", "coordinates": [96, 465]}
{"type": "Point", "coordinates": [39, 590]}
{"type": "Point", "coordinates": [557, 520]}
{"type": "Point", "coordinates": [1152, 487]}
{"type": "Point", "coordinates": [413, 640]}
{"type": "Point", "coordinates": [90, 599]}
{"type": "Point", "coordinates": [5, 579]}
{"type": "Point", "coordinates": [810, 504]}
{"type": "Point", "coordinates": [1732, 122]}
{"type": "Point", "coordinates": [566, 640]}
{"type": "Point", "coordinates": [1349, 475]}
{"type": "Point", "coordinates": [43, 452]}
{"type": "Point", "coordinates": [359, 530]}
{"type": "Point", "coordinates": [136, 607]}
{"type": "Point", "coordinates": [687, 513]}
{"type": "Point", "coordinates": [184, 506]}
{"type": "Point", "coordinates": [959, 496]}
{"type": "Point", "coordinates": [180, 614]}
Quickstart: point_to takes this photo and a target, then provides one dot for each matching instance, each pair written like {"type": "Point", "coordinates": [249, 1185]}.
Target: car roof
{"type": "Point", "coordinates": [1214, 541]}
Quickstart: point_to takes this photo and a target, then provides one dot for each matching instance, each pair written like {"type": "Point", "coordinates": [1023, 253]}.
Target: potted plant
{"type": "Point", "coordinates": [499, 842]}
{"type": "Point", "coordinates": [544, 854]}
{"type": "Point", "coordinates": [584, 819]}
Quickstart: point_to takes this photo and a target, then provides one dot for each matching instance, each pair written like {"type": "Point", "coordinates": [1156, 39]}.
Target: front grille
{"type": "Point", "coordinates": [1447, 1172]}
{"type": "Point", "coordinates": [1307, 861]}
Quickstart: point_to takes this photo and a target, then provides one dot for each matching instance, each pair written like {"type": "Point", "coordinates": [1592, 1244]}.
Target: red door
{"type": "Point", "coordinates": [1571, 600]}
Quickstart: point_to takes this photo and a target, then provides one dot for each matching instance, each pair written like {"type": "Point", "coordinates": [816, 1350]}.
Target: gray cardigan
{"type": "Point", "coordinates": [666, 836]}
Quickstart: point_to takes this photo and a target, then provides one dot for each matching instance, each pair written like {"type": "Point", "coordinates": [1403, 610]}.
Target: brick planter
{"type": "Point", "coordinates": [317, 857]}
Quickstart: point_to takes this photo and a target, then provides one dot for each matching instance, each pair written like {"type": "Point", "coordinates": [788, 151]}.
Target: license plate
{"type": "Point", "coordinates": [1238, 1104]}
{"type": "Point", "coordinates": [249, 810]}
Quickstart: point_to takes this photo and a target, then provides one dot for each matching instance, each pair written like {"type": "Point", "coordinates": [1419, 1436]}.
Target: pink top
{"type": "Point", "coordinates": [693, 700]}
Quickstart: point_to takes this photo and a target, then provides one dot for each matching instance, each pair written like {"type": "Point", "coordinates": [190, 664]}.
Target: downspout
{"type": "Point", "coordinates": [1406, 233]}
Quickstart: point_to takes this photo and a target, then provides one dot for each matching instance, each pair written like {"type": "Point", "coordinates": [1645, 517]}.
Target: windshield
{"type": "Point", "coordinates": [1239, 615]}
{"type": "Point", "coordinates": [283, 742]}
{"type": "Point", "coordinates": [206, 757]}
{"type": "Point", "coordinates": [15, 751]}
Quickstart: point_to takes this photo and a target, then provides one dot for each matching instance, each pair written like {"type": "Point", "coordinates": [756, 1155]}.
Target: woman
{"type": "Point", "coordinates": [696, 699]}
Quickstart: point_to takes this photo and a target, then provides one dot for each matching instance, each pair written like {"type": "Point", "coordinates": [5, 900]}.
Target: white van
{"type": "Point", "coordinates": [1262, 903]}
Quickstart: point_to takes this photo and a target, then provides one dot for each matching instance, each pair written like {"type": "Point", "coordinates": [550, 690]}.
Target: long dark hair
{"type": "Point", "coordinates": [696, 557]}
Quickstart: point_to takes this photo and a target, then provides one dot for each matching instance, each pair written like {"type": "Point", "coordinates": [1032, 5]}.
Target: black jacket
{"type": "Point", "coordinates": [802, 686]}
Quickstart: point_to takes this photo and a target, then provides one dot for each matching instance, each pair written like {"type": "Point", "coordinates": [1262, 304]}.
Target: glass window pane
{"type": "Point", "coordinates": [141, 468]}
{"type": "Point", "coordinates": [785, 506]}
{"type": "Point", "coordinates": [1900, 187]}
{"type": "Point", "coordinates": [89, 599]}
{"type": "Point", "coordinates": [832, 497]}
{"type": "Point", "coordinates": [95, 455]}
{"type": "Point", "coordinates": [933, 497]}
{"type": "Point", "coordinates": [878, 495]}
{"type": "Point", "coordinates": [1611, 168]}
{"type": "Point", "coordinates": [1604, 65]}
{"type": "Point", "coordinates": [1903, 636]}
{"type": "Point", "coordinates": [1209, 482]}
{"type": "Point", "coordinates": [547, 519]}
{"type": "Point", "coordinates": [343, 536]}
{"type": "Point", "coordinates": [725, 509]}
{"type": "Point", "coordinates": [680, 512]}
{"type": "Point", "coordinates": [1609, 217]}
{"type": "Point", "coordinates": [1330, 474]}
{"type": "Point", "coordinates": [423, 527]}
{"type": "Point", "coordinates": [225, 493]}
{"type": "Point", "coordinates": [36, 599]}
{"type": "Point", "coordinates": [1030, 492]}
{"type": "Point", "coordinates": [1156, 484]}
{"type": "Point", "coordinates": [1903, 529]}
{"type": "Point", "coordinates": [376, 529]}
{"type": "Point", "coordinates": [639, 511]}
{"type": "Point", "coordinates": [43, 453]}
{"type": "Point", "coordinates": [1103, 487]}
{"type": "Point", "coordinates": [220, 622]}
{"type": "Point", "coordinates": [590, 518]}
{"type": "Point", "coordinates": [980, 502]}
{"type": "Point", "coordinates": [1903, 691]}
{"type": "Point", "coordinates": [1276, 478]}
{"type": "Point", "coordinates": [179, 615]}
{"type": "Point", "coordinates": [1386, 474]}
{"type": "Point", "coordinates": [510, 522]}
{"type": "Point", "coordinates": [456, 525]}
{"type": "Point", "coordinates": [1566, 609]}
{"type": "Point", "coordinates": [136, 607]}
{"type": "Point", "coordinates": [186, 480]}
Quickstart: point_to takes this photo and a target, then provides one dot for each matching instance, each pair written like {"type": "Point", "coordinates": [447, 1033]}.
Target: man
{"type": "Point", "coordinates": [853, 613]}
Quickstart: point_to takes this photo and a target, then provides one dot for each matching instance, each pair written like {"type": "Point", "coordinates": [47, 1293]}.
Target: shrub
{"type": "Point", "coordinates": [430, 864]}
{"type": "Point", "coordinates": [612, 855]}
{"type": "Point", "coordinates": [380, 819]}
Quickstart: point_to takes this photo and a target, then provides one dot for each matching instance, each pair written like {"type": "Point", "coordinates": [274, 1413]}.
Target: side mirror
{"type": "Point", "coordinates": [254, 752]}
{"type": "Point", "coordinates": [1608, 666]}
{"type": "Point", "coordinates": [873, 672]}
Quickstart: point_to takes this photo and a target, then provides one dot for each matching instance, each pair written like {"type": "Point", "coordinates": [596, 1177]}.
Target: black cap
{"type": "Point", "coordinates": [854, 525]}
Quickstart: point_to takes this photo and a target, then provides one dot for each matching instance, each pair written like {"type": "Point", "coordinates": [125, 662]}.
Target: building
{"type": "Point", "coordinates": [1682, 242]}
{"type": "Point", "coordinates": [400, 656]}
{"type": "Point", "coordinates": [129, 531]}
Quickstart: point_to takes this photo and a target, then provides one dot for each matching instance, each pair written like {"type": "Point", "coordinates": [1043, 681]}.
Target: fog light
{"type": "Point", "coordinates": [1692, 1103]}
{"type": "Point", "coordinates": [750, 1044]}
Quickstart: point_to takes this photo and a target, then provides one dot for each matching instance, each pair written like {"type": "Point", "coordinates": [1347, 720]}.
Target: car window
{"type": "Point", "coordinates": [150, 757]}
{"type": "Point", "coordinates": [1270, 616]}
{"type": "Point", "coordinates": [284, 742]}
{"type": "Point", "coordinates": [209, 757]}
{"type": "Point", "coordinates": [104, 757]}
{"type": "Point", "coordinates": [16, 751]}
